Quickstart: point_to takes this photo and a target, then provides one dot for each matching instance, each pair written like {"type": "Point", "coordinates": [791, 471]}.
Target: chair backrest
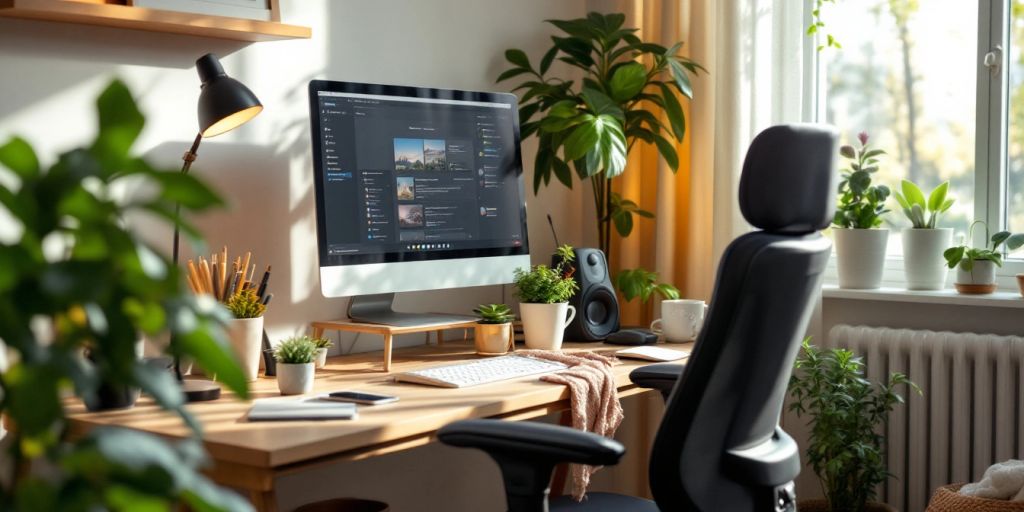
{"type": "Point", "coordinates": [719, 446]}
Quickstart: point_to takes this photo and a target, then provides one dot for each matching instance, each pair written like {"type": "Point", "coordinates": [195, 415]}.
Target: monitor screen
{"type": "Point", "coordinates": [408, 174]}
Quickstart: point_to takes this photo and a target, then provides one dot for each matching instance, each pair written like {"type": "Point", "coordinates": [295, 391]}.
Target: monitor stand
{"type": "Point", "coordinates": [378, 309]}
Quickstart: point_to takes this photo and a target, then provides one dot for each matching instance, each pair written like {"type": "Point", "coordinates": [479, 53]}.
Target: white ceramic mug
{"type": "Point", "coordinates": [681, 320]}
{"type": "Point", "coordinates": [544, 324]}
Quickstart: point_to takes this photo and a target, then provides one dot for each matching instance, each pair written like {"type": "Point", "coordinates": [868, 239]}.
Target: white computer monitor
{"type": "Point", "coordinates": [416, 189]}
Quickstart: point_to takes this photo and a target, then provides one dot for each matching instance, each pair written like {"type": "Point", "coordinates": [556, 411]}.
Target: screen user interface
{"type": "Point", "coordinates": [410, 178]}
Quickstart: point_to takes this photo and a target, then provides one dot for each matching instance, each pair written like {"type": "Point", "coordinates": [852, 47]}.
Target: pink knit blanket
{"type": "Point", "coordinates": [593, 398]}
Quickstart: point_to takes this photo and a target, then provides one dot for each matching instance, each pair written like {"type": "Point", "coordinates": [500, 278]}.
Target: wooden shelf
{"type": "Point", "coordinates": [153, 20]}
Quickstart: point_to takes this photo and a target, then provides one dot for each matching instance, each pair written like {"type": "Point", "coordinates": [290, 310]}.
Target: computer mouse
{"type": "Point", "coordinates": [632, 336]}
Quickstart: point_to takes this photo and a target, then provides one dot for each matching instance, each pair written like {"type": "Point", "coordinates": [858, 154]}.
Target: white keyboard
{"type": "Point", "coordinates": [485, 371]}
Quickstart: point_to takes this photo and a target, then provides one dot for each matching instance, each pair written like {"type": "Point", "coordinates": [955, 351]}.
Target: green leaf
{"type": "Point", "coordinates": [576, 28]}
{"type": "Point", "coordinates": [1014, 242]}
{"type": "Point", "coordinates": [627, 81]}
{"type": "Point", "coordinates": [601, 104]}
{"type": "Point", "coordinates": [562, 171]}
{"type": "Point", "coordinates": [187, 190]}
{"type": "Point", "coordinates": [681, 79]}
{"type": "Point", "coordinates": [584, 138]}
{"type": "Point", "coordinates": [674, 111]}
{"type": "Point", "coordinates": [511, 73]}
{"type": "Point", "coordinates": [999, 238]}
{"type": "Point", "coordinates": [18, 156]}
{"type": "Point", "coordinates": [913, 194]}
{"type": "Point", "coordinates": [120, 123]}
{"type": "Point", "coordinates": [519, 58]}
{"type": "Point", "coordinates": [578, 49]}
{"type": "Point", "coordinates": [564, 109]}
{"type": "Point", "coordinates": [668, 152]}
{"type": "Point", "coordinates": [938, 197]}
{"type": "Point", "coordinates": [549, 57]}
{"type": "Point", "coordinates": [623, 221]}
{"type": "Point", "coordinates": [902, 202]}
{"type": "Point", "coordinates": [215, 357]}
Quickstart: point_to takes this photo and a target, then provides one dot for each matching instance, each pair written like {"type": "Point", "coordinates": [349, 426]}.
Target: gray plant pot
{"type": "Point", "coordinates": [295, 379]}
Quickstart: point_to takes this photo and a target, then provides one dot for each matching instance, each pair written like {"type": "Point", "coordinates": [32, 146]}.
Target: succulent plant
{"type": "Point", "coordinates": [494, 314]}
{"type": "Point", "coordinates": [246, 304]}
{"type": "Point", "coordinates": [295, 350]}
{"type": "Point", "coordinates": [321, 342]}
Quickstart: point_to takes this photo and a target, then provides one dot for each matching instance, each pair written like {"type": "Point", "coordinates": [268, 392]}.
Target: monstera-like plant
{"type": "Point", "coordinates": [591, 125]}
{"type": "Point", "coordinates": [74, 279]}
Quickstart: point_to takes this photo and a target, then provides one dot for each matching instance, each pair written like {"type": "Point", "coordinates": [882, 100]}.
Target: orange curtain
{"type": "Point", "coordinates": [662, 244]}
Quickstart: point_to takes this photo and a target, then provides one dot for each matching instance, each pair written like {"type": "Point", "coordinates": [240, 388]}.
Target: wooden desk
{"type": "Point", "coordinates": [250, 456]}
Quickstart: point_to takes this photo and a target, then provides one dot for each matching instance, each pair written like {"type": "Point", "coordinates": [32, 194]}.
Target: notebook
{"type": "Point", "coordinates": [652, 353]}
{"type": "Point", "coordinates": [308, 408]}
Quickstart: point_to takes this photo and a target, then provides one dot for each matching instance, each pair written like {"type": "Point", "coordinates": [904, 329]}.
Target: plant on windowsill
{"type": "Point", "coordinates": [493, 330]}
{"type": "Point", "coordinates": [544, 294]}
{"type": "Point", "coordinates": [860, 243]}
{"type": "Point", "coordinates": [246, 330]}
{"type": "Point", "coordinates": [295, 365]}
{"type": "Point", "coordinates": [844, 412]}
{"type": "Point", "coordinates": [322, 344]}
{"type": "Point", "coordinates": [101, 288]}
{"type": "Point", "coordinates": [593, 124]}
{"type": "Point", "coordinates": [976, 268]}
{"type": "Point", "coordinates": [923, 243]}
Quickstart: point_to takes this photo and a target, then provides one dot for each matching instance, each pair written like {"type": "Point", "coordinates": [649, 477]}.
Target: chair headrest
{"type": "Point", "coordinates": [788, 176]}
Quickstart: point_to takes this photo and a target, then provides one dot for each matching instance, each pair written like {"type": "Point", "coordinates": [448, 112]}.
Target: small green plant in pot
{"type": "Point", "coordinates": [860, 243]}
{"type": "Point", "coordinates": [322, 344]}
{"type": "Point", "coordinates": [246, 330]}
{"type": "Point", "coordinates": [976, 267]}
{"type": "Point", "coordinates": [924, 242]}
{"type": "Point", "coordinates": [494, 329]}
{"type": "Point", "coordinates": [845, 412]}
{"type": "Point", "coordinates": [295, 365]}
{"type": "Point", "coordinates": [544, 294]}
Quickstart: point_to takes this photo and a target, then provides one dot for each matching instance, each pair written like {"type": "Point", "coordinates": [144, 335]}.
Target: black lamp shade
{"type": "Point", "coordinates": [224, 103]}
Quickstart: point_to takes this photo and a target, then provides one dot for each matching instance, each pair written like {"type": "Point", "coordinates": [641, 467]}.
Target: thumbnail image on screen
{"type": "Point", "coordinates": [406, 188]}
{"type": "Point", "coordinates": [410, 216]}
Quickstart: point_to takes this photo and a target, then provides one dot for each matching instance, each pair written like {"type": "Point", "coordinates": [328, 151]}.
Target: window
{"type": "Point", "coordinates": [913, 74]}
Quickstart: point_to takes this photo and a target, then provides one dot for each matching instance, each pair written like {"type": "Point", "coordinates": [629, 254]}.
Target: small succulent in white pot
{"type": "Point", "coordinates": [322, 344]}
{"type": "Point", "coordinates": [295, 365]}
{"type": "Point", "coordinates": [494, 329]}
{"type": "Point", "coordinates": [924, 242]}
{"type": "Point", "coordinates": [976, 267]}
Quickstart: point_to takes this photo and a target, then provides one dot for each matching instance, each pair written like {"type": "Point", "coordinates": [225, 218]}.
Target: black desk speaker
{"type": "Point", "coordinates": [597, 307]}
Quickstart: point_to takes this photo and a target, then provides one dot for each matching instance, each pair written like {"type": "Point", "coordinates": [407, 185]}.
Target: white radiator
{"type": "Point", "coordinates": [970, 415]}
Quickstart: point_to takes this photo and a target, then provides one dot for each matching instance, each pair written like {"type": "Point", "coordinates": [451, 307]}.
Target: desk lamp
{"type": "Point", "coordinates": [224, 104]}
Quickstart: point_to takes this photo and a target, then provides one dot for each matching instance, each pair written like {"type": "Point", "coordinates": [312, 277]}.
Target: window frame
{"type": "Point", "coordinates": [991, 131]}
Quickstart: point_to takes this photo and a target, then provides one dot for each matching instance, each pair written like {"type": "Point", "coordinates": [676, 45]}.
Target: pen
{"type": "Point", "coordinates": [267, 299]}
{"type": "Point", "coordinates": [263, 284]}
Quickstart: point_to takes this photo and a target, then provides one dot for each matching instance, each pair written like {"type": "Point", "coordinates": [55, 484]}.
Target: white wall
{"type": "Point", "coordinates": [52, 72]}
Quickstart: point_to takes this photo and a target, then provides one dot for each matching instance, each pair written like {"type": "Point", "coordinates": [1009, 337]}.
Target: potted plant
{"type": "Point", "coordinates": [923, 243]}
{"type": "Point", "coordinates": [845, 411]}
{"type": "Point", "coordinates": [544, 294]}
{"type": "Point", "coordinates": [322, 344]}
{"type": "Point", "coordinates": [860, 243]}
{"type": "Point", "coordinates": [295, 365]}
{"type": "Point", "coordinates": [631, 95]}
{"type": "Point", "coordinates": [246, 330]}
{"type": "Point", "coordinates": [493, 329]}
{"type": "Point", "coordinates": [976, 268]}
{"type": "Point", "coordinates": [102, 287]}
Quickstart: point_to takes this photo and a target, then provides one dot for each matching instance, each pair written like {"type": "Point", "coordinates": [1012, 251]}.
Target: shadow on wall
{"type": "Point", "coordinates": [86, 52]}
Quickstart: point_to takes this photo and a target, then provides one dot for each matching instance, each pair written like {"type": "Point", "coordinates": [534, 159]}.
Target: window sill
{"type": "Point", "coordinates": [999, 299]}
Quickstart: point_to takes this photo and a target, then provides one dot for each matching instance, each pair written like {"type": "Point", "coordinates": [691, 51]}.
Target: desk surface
{"type": "Point", "coordinates": [412, 421]}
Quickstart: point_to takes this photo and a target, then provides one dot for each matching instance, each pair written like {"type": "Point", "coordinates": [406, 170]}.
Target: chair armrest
{"type": "Point", "coordinates": [533, 441]}
{"type": "Point", "coordinates": [662, 377]}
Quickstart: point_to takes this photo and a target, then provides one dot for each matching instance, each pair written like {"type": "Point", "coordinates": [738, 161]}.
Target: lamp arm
{"type": "Point", "coordinates": [188, 157]}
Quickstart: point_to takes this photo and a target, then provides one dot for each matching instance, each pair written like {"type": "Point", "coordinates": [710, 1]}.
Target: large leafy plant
{"type": "Point", "coordinates": [923, 213]}
{"type": "Point", "coordinates": [72, 278]}
{"type": "Point", "coordinates": [592, 124]}
{"type": "Point", "coordinates": [861, 204]}
{"type": "Point", "coordinates": [546, 285]}
{"type": "Point", "coordinates": [845, 411]}
{"type": "Point", "coordinates": [642, 283]}
{"type": "Point", "coordinates": [965, 255]}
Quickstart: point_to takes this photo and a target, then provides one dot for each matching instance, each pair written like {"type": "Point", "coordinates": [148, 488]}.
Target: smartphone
{"type": "Point", "coordinates": [360, 397]}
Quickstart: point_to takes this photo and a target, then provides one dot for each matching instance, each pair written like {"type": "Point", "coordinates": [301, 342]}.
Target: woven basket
{"type": "Point", "coordinates": [947, 499]}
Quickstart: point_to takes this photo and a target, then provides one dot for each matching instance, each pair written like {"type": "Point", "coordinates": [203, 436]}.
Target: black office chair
{"type": "Point", "coordinates": [719, 446]}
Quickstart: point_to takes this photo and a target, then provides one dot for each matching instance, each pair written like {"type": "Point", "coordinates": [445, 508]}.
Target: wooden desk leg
{"type": "Point", "coordinates": [264, 501]}
{"type": "Point", "coordinates": [317, 332]}
{"type": "Point", "coordinates": [440, 337]}
{"type": "Point", "coordinates": [561, 470]}
{"type": "Point", "coordinates": [387, 352]}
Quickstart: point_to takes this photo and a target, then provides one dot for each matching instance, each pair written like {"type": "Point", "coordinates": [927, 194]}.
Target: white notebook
{"type": "Point", "coordinates": [308, 408]}
{"type": "Point", "coordinates": [651, 353]}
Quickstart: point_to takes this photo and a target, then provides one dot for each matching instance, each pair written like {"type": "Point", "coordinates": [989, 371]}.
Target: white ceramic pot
{"type": "Point", "coordinates": [246, 335]}
{"type": "Point", "coordinates": [983, 272]}
{"type": "Point", "coordinates": [321, 357]}
{"type": "Point", "coordinates": [861, 257]}
{"type": "Point", "coordinates": [295, 379]}
{"type": "Point", "coordinates": [493, 339]}
{"type": "Point", "coordinates": [544, 324]}
{"type": "Point", "coordinates": [923, 264]}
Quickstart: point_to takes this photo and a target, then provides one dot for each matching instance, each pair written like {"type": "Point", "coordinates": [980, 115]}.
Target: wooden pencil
{"type": "Point", "coordinates": [245, 265]}
{"type": "Point", "coordinates": [216, 282]}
